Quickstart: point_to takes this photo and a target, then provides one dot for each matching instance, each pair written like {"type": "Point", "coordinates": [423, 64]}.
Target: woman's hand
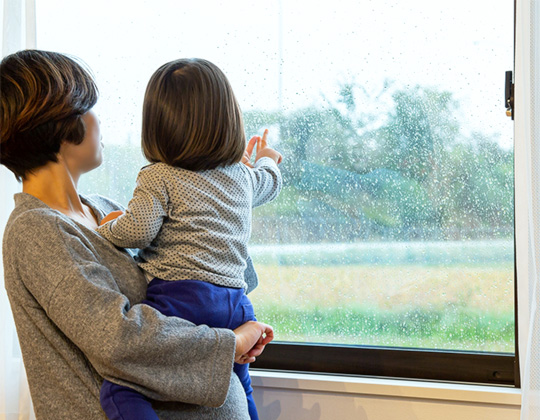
{"type": "Point", "coordinates": [111, 216]}
{"type": "Point", "coordinates": [262, 150]}
{"type": "Point", "coordinates": [251, 339]}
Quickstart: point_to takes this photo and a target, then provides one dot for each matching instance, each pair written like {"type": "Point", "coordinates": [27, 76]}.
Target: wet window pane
{"type": "Point", "coordinates": [395, 225]}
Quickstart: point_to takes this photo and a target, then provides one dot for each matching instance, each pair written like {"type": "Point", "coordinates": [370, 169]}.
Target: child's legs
{"type": "Point", "coordinates": [208, 304]}
{"type": "Point", "coordinates": [243, 314]}
{"type": "Point", "coordinates": [200, 302]}
{"type": "Point", "coordinates": [122, 403]}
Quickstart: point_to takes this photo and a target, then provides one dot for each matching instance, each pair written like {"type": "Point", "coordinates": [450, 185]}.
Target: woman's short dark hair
{"type": "Point", "coordinates": [43, 96]}
{"type": "Point", "coordinates": [191, 118]}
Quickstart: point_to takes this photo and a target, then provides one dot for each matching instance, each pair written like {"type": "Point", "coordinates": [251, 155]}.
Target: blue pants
{"type": "Point", "coordinates": [196, 301]}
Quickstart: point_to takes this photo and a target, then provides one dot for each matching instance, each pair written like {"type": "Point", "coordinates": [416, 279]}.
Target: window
{"type": "Point", "coordinates": [393, 238]}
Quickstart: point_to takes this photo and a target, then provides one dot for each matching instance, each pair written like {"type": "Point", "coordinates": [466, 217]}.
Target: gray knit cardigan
{"type": "Point", "coordinates": [74, 298]}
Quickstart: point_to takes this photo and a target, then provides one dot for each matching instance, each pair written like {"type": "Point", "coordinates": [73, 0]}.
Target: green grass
{"type": "Point", "coordinates": [436, 329]}
{"type": "Point", "coordinates": [457, 308]}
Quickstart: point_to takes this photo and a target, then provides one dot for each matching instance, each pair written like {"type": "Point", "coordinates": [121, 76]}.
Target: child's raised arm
{"type": "Point", "coordinates": [265, 174]}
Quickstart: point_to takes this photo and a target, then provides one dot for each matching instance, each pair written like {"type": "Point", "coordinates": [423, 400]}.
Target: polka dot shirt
{"type": "Point", "coordinates": [194, 225]}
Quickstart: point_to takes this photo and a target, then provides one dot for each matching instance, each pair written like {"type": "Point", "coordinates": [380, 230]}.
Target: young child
{"type": "Point", "coordinates": [190, 214]}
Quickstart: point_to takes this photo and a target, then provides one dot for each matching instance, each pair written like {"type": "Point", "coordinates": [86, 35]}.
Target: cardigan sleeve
{"type": "Point", "coordinates": [164, 358]}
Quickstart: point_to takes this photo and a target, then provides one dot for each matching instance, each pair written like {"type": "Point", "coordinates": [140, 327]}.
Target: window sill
{"type": "Point", "coordinates": [397, 388]}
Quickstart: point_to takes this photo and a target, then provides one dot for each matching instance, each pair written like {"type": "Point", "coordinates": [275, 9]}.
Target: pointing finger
{"type": "Point", "coordinates": [264, 138]}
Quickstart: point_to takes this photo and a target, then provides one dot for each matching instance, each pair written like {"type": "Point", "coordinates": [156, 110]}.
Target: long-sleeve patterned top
{"type": "Point", "coordinates": [194, 225]}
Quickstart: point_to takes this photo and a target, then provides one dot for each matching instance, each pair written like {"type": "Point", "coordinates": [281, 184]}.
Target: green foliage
{"type": "Point", "coordinates": [414, 176]}
{"type": "Point", "coordinates": [419, 127]}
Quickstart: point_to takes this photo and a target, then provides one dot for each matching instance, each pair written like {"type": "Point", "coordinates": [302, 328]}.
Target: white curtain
{"type": "Point", "coordinates": [527, 97]}
{"type": "Point", "coordinates": [18, 32]}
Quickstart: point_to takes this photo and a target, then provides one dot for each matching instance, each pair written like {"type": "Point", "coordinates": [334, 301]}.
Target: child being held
{"type": "Point", "coordinates": [190, 214]}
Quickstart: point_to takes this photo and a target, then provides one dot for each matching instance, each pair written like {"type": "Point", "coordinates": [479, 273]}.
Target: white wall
{"type": "Point", "coordinates": [317, 397]}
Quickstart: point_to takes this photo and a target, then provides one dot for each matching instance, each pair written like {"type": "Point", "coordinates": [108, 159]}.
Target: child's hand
{"type": "Point", "coordinates": [246, 160]}
{"type": "Point", "coordinates": [111, 216]}
{"type": "Point", "coordinates": [251, 339]}
{"type": "Point", "coordinates": [262, 150]}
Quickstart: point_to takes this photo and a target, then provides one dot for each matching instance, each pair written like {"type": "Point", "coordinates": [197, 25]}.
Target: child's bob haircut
{"type": "Point", "coordinates": [43, 97]}
{"type": "Point", "coordinates": [191, 118]}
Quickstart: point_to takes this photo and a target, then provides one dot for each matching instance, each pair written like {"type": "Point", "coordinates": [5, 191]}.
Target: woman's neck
{"type": "Point", "coordinates": [56, 186]}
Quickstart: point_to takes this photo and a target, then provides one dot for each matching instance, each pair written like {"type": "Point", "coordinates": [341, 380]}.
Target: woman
{"type": "Point", "coordinates": [74, 296]}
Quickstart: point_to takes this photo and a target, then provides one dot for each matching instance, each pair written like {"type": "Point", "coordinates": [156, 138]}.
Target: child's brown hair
{"type": "Point", "coordinates": [191, 118]}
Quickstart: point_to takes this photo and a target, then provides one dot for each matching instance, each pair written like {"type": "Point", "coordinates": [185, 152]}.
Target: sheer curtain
{"type": "Point", "coordinates": [18, 32]}
{"type": "Point", "coordinates": [527, 201]}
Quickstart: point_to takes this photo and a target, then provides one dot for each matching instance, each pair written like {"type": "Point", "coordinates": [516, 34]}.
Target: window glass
{"type": "Point", "coordinates": [395, 224]}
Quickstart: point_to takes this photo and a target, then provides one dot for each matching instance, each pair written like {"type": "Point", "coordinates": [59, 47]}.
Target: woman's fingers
{"type": "Point", "coordinates": [267, 335]}
{"type": "Point", "coordinates": [256, 350]}
{"type": "Point", "coordinates": [246, 359]}
{"type": "Point", "coordinates": [251, 339]}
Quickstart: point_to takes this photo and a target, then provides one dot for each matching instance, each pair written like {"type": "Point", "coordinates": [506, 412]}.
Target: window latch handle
{"type": "Point", "coordinates": [509, 95]}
